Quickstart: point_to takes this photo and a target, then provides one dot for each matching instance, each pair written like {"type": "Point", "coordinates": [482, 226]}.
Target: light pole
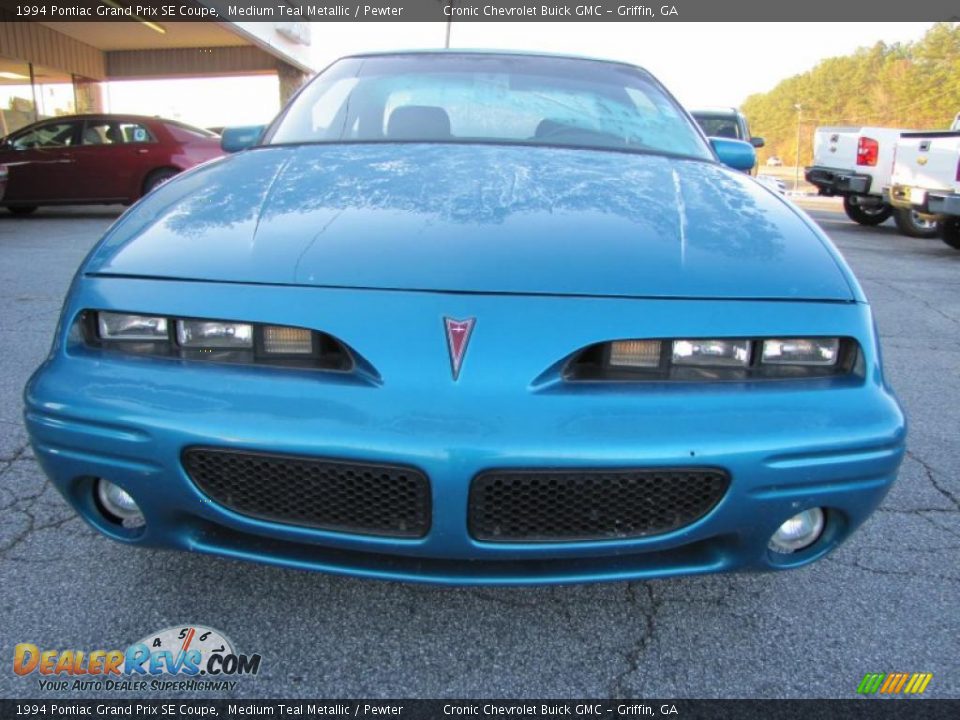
{"type": "Point", "coordinates": [796, 171]}
{"type": "Point", "coordinates": [449, 4]}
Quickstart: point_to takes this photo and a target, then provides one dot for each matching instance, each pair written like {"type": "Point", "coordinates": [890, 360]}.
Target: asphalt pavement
{"type": "Point", "coordinates": [886, 601]}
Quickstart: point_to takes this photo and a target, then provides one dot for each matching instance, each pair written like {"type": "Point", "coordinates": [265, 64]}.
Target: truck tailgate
{"type": "Point", "coordinates": [836, 147]}
{"type": "Point", "coordinates": [928, 160]}
{"type": "Point", "coordinates": [839, 148]}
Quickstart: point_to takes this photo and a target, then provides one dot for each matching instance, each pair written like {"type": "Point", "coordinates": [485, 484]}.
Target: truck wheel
{"type": "Point", "coordinates": [868, 215]}
{"type": "Point", "coordinates": [913, 225]}
{"type": "Point", "coordinates": [950, 232]}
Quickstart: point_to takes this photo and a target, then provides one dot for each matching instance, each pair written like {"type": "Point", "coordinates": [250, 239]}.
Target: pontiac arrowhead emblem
{"type": "Point", "coordinates": [458, 335]}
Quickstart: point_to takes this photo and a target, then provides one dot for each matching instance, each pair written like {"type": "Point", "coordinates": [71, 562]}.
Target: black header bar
{"type": "Point", "coordinates": [482, 11]}
{"type": "Point", "coordinates": [318, 709]}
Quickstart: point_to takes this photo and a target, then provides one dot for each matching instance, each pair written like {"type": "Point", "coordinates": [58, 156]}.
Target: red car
{"type": "Point", "coordinates": [97, 159]}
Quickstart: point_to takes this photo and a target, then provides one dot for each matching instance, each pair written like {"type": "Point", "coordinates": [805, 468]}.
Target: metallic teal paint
{"type": "Point", "coordinates": [235, 139]}
{"type": "Point", "coordinates": [551, 250]}
{"type": "Point", "coordinates": [736, 154]}
{"type": "Point", "coordinates": [788, 445]}
{"type": "Point", "coordinates": [477, 218]}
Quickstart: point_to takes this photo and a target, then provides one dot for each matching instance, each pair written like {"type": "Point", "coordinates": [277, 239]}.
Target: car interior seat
{"type": "Point", "coordinates": [418, 122]}
{"type": "Point", "coordinates": [727, 130]}
{"type": "Point", "coordinates": [92, 136]}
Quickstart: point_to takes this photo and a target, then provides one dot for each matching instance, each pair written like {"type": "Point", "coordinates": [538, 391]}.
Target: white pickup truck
{"type": "Point", "coordinates": [926, 178]}
{"type": "Point", "coordinates": [857, 163]}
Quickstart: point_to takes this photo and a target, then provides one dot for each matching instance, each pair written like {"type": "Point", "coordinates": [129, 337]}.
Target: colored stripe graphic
{"type": "Point", "coordinates": [889, 683]}
{"type": "Point", "coordinates": [870, 683]}
{"type": "Point", "coordinates": [894, 683]}
{"type": "Point", "coordinates": [918, 683]}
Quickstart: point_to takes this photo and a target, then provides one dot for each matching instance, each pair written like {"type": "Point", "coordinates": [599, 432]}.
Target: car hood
{"type": "Point", "coordinates": [475, 218]}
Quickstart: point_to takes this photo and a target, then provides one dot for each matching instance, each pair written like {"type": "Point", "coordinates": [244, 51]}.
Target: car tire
{"type": "Point", "coordinates": [21, 209]}
{"type": "Point", "coordinates": [866, 215]}
{"type": "Point", "coordinates": [158, 178]}
{"type": "Point", "coordinates": [912, 225]}
{"type": "Point", "coordinates": [950, 232]}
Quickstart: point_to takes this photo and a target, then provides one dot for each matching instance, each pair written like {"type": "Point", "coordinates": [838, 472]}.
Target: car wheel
{"type": "Point", "coordinates": [912, 224]}
{"type": "Point", "coordinates": [866, 214]}
{"type": "Point", "coordinates": [950, 232]}
{"type": "Point", "coordinates": [157, 178]}
{"type": "Point", "coordinates": [21, 209]}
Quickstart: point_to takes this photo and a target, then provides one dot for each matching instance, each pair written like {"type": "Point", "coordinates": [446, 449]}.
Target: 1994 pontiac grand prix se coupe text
{"type": "Point", "coordinates": [471, 318]}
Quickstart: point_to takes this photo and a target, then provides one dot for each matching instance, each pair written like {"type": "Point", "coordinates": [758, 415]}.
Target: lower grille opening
{"type": "Point", "coordinates": [570, 505]}
{"type": "Point", "coordinates": [344, 496]}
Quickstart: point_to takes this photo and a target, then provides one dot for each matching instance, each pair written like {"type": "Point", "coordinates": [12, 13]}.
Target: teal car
{"type": "Point", "coordinates": [471, 318]}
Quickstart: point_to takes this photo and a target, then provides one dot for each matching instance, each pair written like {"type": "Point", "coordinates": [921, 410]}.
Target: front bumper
{"type": "Point", "coordinates": [831, 181]}
{"type": "Point", "coordinates": [936, 203]}
{"type": "Point", "coordinates": [787, 445]}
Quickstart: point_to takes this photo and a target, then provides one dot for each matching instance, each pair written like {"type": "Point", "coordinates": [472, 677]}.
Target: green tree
{"type": "Point", "coordinates": [914, 85]}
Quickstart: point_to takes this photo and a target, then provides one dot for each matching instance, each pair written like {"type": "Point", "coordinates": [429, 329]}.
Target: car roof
{"type": "Point", "coordinates": [485, 51]}
{"type": "Point", "coordinates": [101, 116]}
{"type": "Point", "coordinates": [719, 111]}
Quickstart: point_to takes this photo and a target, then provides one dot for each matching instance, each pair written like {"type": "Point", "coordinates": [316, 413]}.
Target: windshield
{"type": "Point", "coordinates": [722, 126]}
{"type": "Point", "coordinates": [489, 98]}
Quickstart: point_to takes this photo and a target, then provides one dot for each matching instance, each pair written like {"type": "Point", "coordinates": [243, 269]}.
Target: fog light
{"type": "Point", "coordinates": [799, 532]}
{"type": "Point", "coordinates": [119, 503]}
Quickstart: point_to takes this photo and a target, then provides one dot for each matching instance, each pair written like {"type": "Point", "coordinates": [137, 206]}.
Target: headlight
{"type": "Point", "coordinates": [212, 340]}
{"type": "Point", "coordinates": [714, 359]}
{"type": "Point", "coordinates": [735, 353]}
{"type": "Point", "coordinates": [801, 351]}
{"type": "Point", "coordinates": [119, 326]}
{"type": "Point", "coordinates": [214, 334]}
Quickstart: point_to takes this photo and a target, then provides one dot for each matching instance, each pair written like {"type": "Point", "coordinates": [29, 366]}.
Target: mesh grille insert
{"type": "Point", "coordinates": [363, 498]}
{"type": "Point", "coordinates": [565, 505]}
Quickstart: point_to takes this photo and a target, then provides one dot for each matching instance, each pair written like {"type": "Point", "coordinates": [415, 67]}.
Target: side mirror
{"type": "Point", "coordinates": [757, 142]}
{"type": "Point", "coordinates": [235, 139]}
{"type": "Point", "coordinates": [735, 153]}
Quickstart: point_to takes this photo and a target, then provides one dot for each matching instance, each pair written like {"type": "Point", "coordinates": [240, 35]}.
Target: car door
{"type": "Point", "coordinates": [101, 169]}
{"type": "Point", "coordinates": [145, 152]}
{"type": "Point", "coordinates": [39, 159]}
{"type": "Point", "coordinates": [112, 159]}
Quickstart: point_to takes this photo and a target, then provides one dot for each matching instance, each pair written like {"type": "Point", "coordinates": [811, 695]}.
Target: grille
{"type": "Point", "coordinates": [562, 505]}
{"type": "Point", "coordinates": [364, 498]}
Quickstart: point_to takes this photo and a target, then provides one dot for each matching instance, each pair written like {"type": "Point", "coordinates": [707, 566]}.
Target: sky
{"type": "Point", "coordinates": [702, 64]}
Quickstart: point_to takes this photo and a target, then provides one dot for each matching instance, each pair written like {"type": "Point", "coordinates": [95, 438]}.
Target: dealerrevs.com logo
{"type": "Point", "coordinates": [200, 657]}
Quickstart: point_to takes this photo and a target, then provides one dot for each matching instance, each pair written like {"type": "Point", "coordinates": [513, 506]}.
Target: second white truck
{"type": "Point", "coordinates": [857, 164]}
{"type": "Point", "coordinates": [926, 178]}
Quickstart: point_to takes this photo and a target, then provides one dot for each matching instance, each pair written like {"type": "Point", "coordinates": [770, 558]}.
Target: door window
{"type": "Point", "coordinates": [51, 135]}
{"type": "Point", "coordinates": [101, 132]}
{"type": "Point", "coordinates": [136, 133]}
